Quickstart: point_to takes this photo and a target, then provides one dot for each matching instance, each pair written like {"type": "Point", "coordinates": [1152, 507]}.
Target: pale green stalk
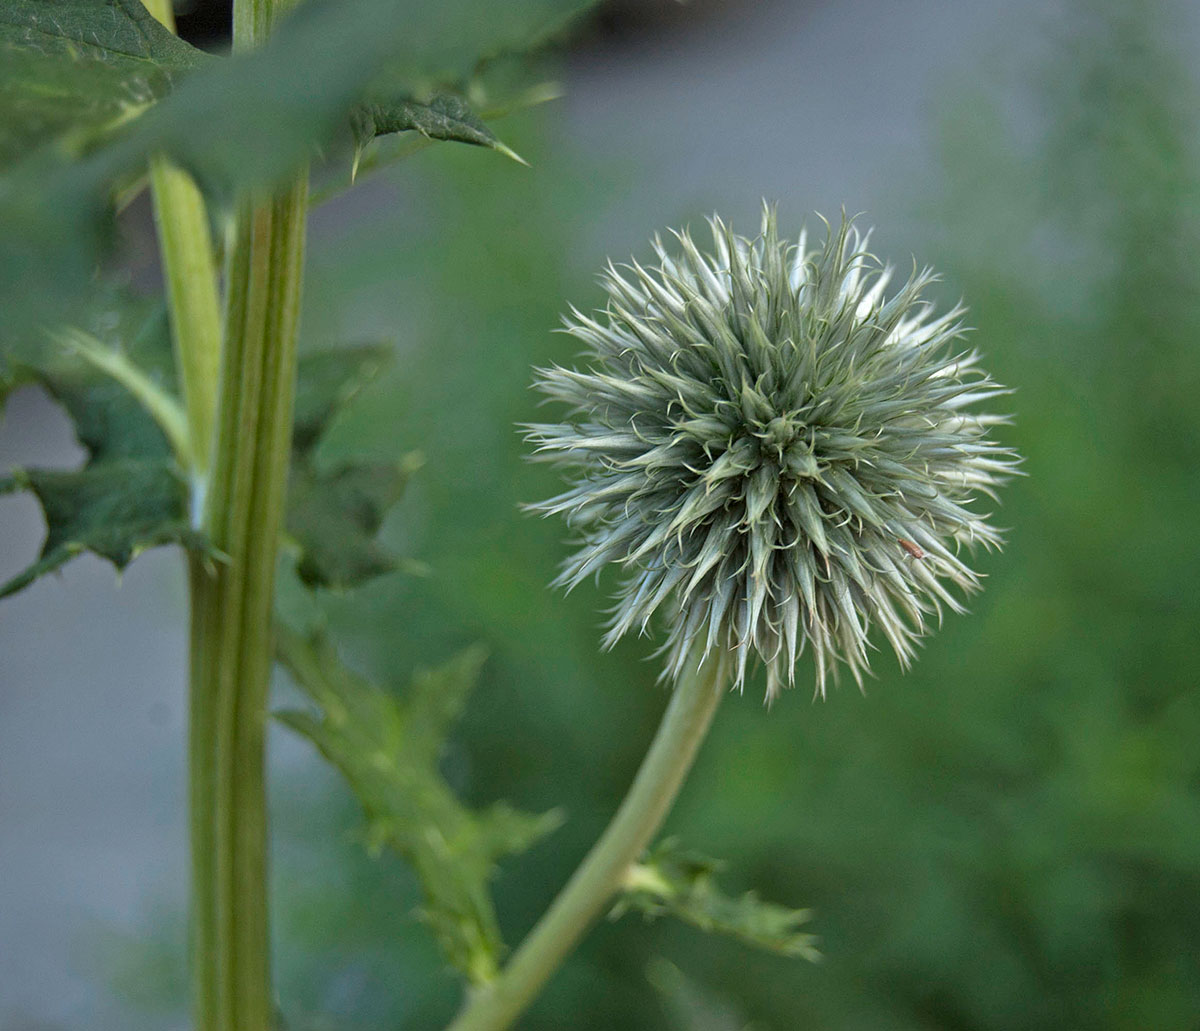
{"type": "Point", "coordinates": [239, 417]}
{"type": "Point", "coordinates": [161, 404]}
{"type": "Point", "coordinates": [192, 295]}
{"type": "Point", "coordinates": [244, 516]}
{"type": "Point", "coordinates": [601, 875]}
{"type": "Point", "coordinates": [234, 601]}
{"type": "Point", "coordinates": [191, 281]}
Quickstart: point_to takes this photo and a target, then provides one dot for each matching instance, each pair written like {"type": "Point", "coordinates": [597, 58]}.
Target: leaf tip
{"type": "Point", "coordinates": [508, 152]}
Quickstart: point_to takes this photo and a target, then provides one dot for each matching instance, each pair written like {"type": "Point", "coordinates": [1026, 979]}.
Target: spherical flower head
{"type": "Point", "coordinates": [775, 452]}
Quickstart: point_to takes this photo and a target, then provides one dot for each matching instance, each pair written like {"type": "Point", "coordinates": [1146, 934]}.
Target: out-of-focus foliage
{"type": "Point", "coordinates": [389, 751]}
{"type": "Point", "coordinates": [690, 1007]}
{"type": "Point", "coordinates": [444, 116]}
{"type": "Point", "coordinates": [1006, 837]}
{"type": "Point", "coordinates": [131, 494]}
{"type": "Point", "coordinates": [335, 511]}
{"type": "Point", "coordinates": [238, 123]}
{"type": "Point", "coordinates": [671, 879]}
{"type": "Point", "coordinates": [77, 67]}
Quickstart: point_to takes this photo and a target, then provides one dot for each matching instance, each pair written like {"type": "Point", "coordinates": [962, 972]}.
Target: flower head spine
{"type": "Point", "coordinates": [775, 453]}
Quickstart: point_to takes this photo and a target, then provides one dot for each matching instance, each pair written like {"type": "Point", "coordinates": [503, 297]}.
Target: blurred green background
{"type": "Point", "coordinates": [1006, 837]}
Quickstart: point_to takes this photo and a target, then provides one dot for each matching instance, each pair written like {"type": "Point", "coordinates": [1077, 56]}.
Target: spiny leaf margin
{"type": "Point", "coordinates": [673, 880]}
{"type": "Point", "coordinates": [389, 750]}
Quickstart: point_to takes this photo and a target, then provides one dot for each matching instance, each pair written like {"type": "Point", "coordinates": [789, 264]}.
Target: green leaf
{"type": "Point", "coordinates": [334, 513]}
{"type": "Point", "coordinates": [446, 116]}
{"type": "Point", "coordinates": [323, 61]}
{"type": "Point", "coordinates": [111, 55]}
{"type": "Point", "coordinates": [160, 404]}
{"type": "Point", "coordinates": [326, 382]}
{"type": "Point", "coordinates": [79, 67]}
{"type": "Point", "coordinates": [241, 123]}
{"type": "Point", "coordinates": [115, 509]}
{"type": "Point", "coordinates": [118, 391]}
{"type": "Point", "coordinates": [683, 884]}
{"type": "Point", "coordinates": [129, 495]}
{"type": "Point", "coordinates": [107, 418]}
{"type": "Point", "coordinates": [389, 750]}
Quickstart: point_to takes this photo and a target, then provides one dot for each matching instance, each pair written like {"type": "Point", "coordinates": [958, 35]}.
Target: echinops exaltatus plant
{"type": "Point", "coordinates": [775, 452]}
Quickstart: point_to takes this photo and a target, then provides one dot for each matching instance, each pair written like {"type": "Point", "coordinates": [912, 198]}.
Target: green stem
{"type": "Point", "coordinates": [232, 612]}
{"type": "Point", "coordinates": [240, 421]}
{"type": "Point", "coordinates": [190, 274]}
{"type": "Point", "coordinates": [202, 792]}
{"type": "Point", "coordinates": [192, 294]}
{"type": "Point", "coordinates": [593, 885]}
{"type": "Point", "coordinates": [191, 280]}
{"type": "Point", "coordinates": [232, 615]}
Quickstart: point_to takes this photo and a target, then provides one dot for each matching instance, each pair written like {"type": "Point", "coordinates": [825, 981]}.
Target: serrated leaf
{"type": "Point", "coordinates": [240, 123]}
{"type": "Point", "coordinates": [134, 327]}
{"type": "Point", "coordinates": [445, 116]}
{"type": "Point", "coordinates": [683, 884]}
{"type": "Point", "coordinates": [115, 509]}
{"type": "Point", "coordinates": [327, 381]}
{"type": "Point", "coordinates": [389, 749]}
{"type": "Point", "coordinates": [81, 66]}
{"type": "Point", "coordinates": [129, 494]}
{"type": "Point", "coordinates": [334, 513]}
{"type": "Point", "coordinates": [334, 516]}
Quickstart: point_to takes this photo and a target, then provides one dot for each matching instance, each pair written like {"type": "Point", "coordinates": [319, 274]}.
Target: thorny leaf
{"type": "Point", "coordinates": [321, 61]}
{"type": "Point", "coordinates": [75, 68]}
{"type": "Point", "coordinates": [108, 421]}
{"type": "Point", "coordinates": [683, 884]}
{"type": "Point", "coordinates": [445, 116]}
{"type": "Point", "coordinates": [115, 509]}
{"type": "Point", "coordinates": [326, 382]}
{"type": "Point", "coordinates": [388, 749]}
{"type": "Point", "coordinates": [334, 513]}
{"type": "Point", "coordinates": [333, 518]}
{"type": "Point", "coordinates": [129, 495]}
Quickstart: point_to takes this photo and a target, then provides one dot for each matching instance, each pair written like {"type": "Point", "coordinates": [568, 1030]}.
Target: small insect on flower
{"type": "Point", "coordinates": [755, 431]}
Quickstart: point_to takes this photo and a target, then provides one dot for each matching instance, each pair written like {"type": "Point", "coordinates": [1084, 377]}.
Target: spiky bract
{"type": "Point", "coordinates": [773, 451]}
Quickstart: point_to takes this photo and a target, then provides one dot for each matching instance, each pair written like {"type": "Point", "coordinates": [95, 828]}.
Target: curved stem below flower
{"type": "Point", "coordinates": [495, 1006]}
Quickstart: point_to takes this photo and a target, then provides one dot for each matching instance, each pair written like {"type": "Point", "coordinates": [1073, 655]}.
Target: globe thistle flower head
{"type": "Point", "coordinates": [776, 453]}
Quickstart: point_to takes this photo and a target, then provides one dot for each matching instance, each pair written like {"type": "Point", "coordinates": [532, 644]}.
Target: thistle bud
{"type": "Point", "coordinates": [775, 451]}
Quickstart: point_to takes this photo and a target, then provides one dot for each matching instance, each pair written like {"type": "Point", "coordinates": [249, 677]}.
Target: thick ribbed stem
{"type": "Point", "coordinates": [232, 613]}
{"type": "Point", "coordinates": [240, 423]}
{"type": "Point", "coordinates": [593, 885]}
